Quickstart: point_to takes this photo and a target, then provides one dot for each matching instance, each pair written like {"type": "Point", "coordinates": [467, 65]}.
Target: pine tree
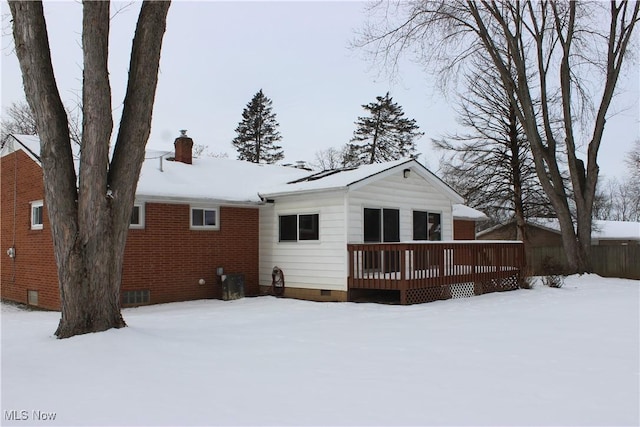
{"type": "Point", "coordinates": [383, 135]}
{"type": "Point", "coordinates": [257, 132]}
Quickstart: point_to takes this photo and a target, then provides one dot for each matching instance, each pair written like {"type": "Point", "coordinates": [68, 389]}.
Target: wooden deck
{"type": "Point", "coordinates": [435, 270]}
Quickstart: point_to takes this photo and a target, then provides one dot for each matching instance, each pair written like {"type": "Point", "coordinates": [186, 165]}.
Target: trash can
{"type": "Point", "coordinates": [232, 286]}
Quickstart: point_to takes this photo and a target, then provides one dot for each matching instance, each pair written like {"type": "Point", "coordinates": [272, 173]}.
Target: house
{"type": "Point", "coordinates": [546, 232]}
{"type": "Point", "coordinates": [615, 246]}
{"type": "Point", "coordinates": [197, 223]}
{"type": "Point", "coordinates": [465, 221]}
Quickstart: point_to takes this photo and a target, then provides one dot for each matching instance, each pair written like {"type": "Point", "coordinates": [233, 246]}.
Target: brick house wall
{"type": "Point", "coordinates": [166, 257]}
{"type": "Point", "coordinates": [34, 267]}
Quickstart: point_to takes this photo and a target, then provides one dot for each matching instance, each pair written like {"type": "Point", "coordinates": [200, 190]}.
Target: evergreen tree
{"type": "Point", "coordinates": [385, 134]}
{"type": "Point", "coordinates": [257, 132]}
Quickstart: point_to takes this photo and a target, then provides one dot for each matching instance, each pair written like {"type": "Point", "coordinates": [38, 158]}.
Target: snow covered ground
{"type": "Point", "coordinates": [544, 356]}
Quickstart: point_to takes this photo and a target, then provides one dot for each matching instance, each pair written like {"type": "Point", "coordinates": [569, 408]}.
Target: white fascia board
{"type": "Point", "coordinates": [142, 198]}
{"type": "Point", "coordinates": [302, 192]}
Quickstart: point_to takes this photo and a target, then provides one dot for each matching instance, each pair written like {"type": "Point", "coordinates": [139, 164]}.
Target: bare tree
{"type": "Point", "coordinates": [89, 213]}
{"type": "Point", "coordinates": [202, 150]}
{"type": "Point", "coordinates": [20, 120]}
{"type": "Point", "coordinates": [559, 50]}
{"type": "Point", "coordinates": [620, 200]}
{"type": "Point", "coordinates": [330, 158]}
{"type": "Point", "coordinates": [491, 165]}
{"type": "Point", "coordinates": [633, 161]}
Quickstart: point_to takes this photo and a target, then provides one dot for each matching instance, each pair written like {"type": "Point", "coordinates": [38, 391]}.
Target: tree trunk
{"type": "Point", "coordinates": [89, 223]}
{"type": "Point", "coordinates": [516, 167]}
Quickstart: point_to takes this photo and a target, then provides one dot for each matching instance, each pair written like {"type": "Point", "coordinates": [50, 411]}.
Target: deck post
{"type": "Point", "coordinates": [403, 296]}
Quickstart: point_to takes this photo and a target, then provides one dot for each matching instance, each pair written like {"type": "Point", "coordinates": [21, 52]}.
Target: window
{"type": "Point", "coordinates": [37, 211]}
{"type": "Point", "coordinates": [204, 218]}
{"type": "Point", "coordinates": [137, 217]}
{"type": "Point", "coordinates": [427, 226]}
{"type": "Point", "coordinates": [299, 227]}
{"type": "Point", "coordinates": [381, 225]}
{"type": "Point", "coordinates": [308, 227]}
{"type": "Point", "coordinates": [136, 297]}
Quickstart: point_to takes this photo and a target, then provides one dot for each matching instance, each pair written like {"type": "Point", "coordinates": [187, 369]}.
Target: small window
{"type": "Point", "coordinates": [37, 211]}
{"type": "Point", "coordinates": [299, 227]}
{"type": "Point", "coordinates": [137, 216]}
{"type": "Point", "coordinates": [137, 297]}
{"type": "Point", "coordinates": [204, 218]}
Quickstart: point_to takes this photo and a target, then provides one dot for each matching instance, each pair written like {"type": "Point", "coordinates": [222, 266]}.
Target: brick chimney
{"type": "Point", "coordinates": [183, 145]}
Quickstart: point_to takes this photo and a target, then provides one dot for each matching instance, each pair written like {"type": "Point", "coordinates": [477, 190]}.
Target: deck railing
{"type": "Point", "coordinates": [415, 269]}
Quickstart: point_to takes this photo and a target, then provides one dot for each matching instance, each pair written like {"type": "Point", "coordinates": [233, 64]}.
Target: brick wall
{"type": "Point", "coordinates": [166, 257]}
{"type": "Point", "coordinates": [169, 259]}
{"type": "Point", "coordinates": [33, 268]}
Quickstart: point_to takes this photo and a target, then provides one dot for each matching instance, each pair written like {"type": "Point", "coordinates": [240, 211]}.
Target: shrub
{"type": "Point", "coordinates": [552, 273]}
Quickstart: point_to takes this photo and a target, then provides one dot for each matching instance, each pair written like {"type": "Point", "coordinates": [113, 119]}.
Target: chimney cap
{"type": "Point", "coordinates": [183, 133]}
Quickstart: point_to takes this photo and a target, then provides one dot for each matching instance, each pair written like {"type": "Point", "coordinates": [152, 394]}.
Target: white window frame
{"type": "Point", "coordinates": [216, 209]}
{"type": "Point", "coordinates": [297, 215]}
{"type": "Point", "coordinates": [141, 213]}
{"type": "Point", "coordinates": [35, 205]}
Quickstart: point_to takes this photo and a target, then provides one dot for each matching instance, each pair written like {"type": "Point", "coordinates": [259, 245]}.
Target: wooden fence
{"type": "Point", "coordinates": [607, 260]}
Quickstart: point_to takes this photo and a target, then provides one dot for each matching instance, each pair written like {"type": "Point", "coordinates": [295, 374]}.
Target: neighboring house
{"type": "Point", "coordinates": [465, 221]}
{"type": "Point", "coordinates": [197, 220]}
{"type": "Point", "coordinates": [546, 232]}
{"type": "Point", "coordinates": [615, 246]}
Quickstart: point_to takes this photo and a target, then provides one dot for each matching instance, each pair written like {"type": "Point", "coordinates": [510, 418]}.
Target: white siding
{"type": "Point", "coordinates": [323, 264]}
{"type": "Point", "coordinates": [405, 194]}
{"type": "Point", "coordinates": [306, 264]}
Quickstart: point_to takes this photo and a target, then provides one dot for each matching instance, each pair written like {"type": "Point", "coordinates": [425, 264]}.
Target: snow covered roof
{"type": "Point", "coordinates": [602, 230]}
{"type": "Point", "coordinates": [209, 179]}
{"type": "Point", "coordinates": [355, 177]}
{"type": "Point", "coordinates": [234, 181]}
{"type": "Point", "coordinates": [616, 230]}
{"type": "Point", "coordinates": [468, 213]}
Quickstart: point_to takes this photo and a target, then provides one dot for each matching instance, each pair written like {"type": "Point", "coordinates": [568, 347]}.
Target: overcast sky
{"type": "Point", "coordinates": [217, 55]}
